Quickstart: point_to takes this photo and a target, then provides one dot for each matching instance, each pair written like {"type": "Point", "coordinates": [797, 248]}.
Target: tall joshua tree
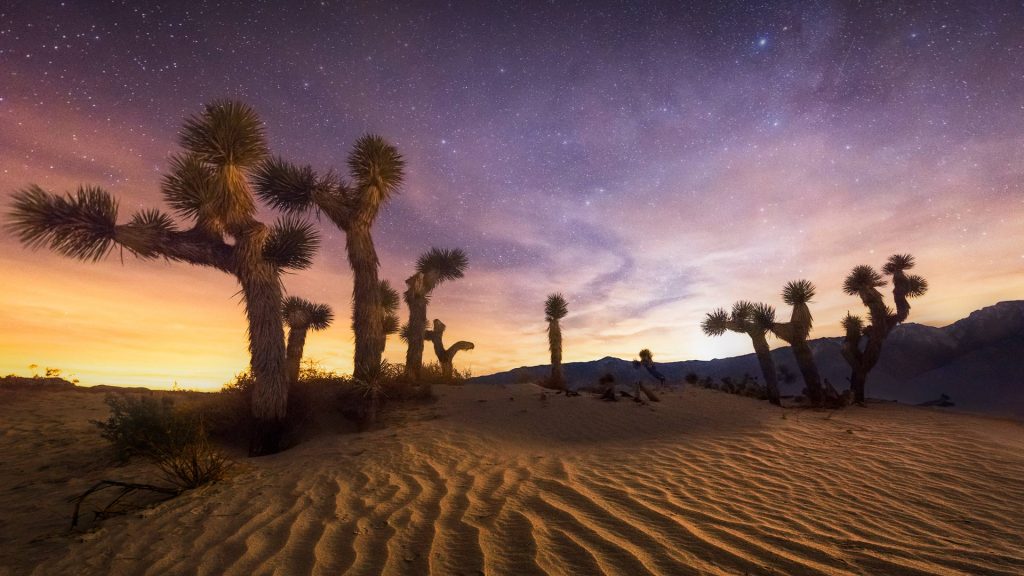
{"type": "Point", "coordinates": [445, 356]}
{"type": "Point", "coordinates": [377, 171]}
{"type": "Point", "coordinates": [555, 308]}
{"type": "Point", "coordinates": [208, 184]}
{"type": "Point", "coordinates": [433, 267]}
{"type": "Point", "coordinates": [862, 344]}
{"type": "Point", "coordinates": [798, 294]}
{"type": "Point", "coordinates": [754, 320]}
{"type": "Point", "coordinates": [302, 316]}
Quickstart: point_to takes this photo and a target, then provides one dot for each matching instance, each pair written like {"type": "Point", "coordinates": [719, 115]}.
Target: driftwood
{"type": "Point", "coordinates": [126, 488]}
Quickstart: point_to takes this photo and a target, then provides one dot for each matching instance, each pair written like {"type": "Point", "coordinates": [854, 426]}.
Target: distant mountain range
{"type": "Point", "coordinates": [978, 361]}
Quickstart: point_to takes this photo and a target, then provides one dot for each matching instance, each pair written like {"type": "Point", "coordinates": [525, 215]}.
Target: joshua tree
{"type": "Point", "coordinates": [754, 320]}
{"type": "Point", "coordinates": [795, 332]}
{"type": "Point", "coordinates": [387, 309]}
{"type": "Point", "coordinates": [377, 172]}
{"type": "Point", "coordinates": [862, 345]}
{"type": "Point", "coordinates": [301, 316]}
{"type": "Point", "coordinates": [445, 356]}
{"type": "Point", "coordinates": [433, 267]}
{"type": "Point", "coordinates": [647, 361]}
{"type": "Point", "coordinates": [555, 308]}
{"type": "Point", "coordinates": [208, 185]}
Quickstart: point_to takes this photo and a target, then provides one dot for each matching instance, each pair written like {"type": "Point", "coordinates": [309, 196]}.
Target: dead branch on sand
{"type": "Point", "coordinates": [126, 489]}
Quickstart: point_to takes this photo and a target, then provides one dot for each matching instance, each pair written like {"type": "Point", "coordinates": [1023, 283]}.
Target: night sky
{"type": "Point", "coordinates": [652, 161]}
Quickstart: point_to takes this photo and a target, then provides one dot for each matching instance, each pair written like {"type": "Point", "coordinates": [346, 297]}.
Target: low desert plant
{"type": "Point", "coordinates": [173, 439]}
{"type": "Point", "coordinates": [194, 463]}
{"type": "Point", "coordinates": [141, 425]}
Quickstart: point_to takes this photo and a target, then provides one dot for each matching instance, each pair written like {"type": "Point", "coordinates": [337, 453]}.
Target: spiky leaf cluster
{"type": "Point", "coordinates": [374, 163]}
{"type": "Point", "coordinates": [292, 243]}
{"type": "Point", "coordinates": [446, 264]}
{"type": "Point", "coordinates": [741, 311]}
{"type": "Point", "coordinates": [555, 307]}
{"type": "Point", "coordinates": [288, 187]}
{"type": "Point", "coordinates": [403, 333]}
{"type": "Point", "coordinates": [389, 301]}
{"type": "Point", "coordinates": [80, 225]}
{"type": "Point", "coordinates": [916, 286]}
{"type": "Point", "coordinates": [189, 186]}
{"type": "Point", "coordinates": [853, 324]}
{"type": "Point", "coordinates": [762, 316]}
{"type": "Point", "coordinates": [314, 316]}
{"type": "Point", "coordinates": [862, 277]}
{"type": "Point", "coordinates": [898, 263]}
{"type": "Point", "coordinates": [798, 292]}
{"type": "Point", "coordinates": [716, 322]}
{"type": "Point", "coordinates": [227, 133]}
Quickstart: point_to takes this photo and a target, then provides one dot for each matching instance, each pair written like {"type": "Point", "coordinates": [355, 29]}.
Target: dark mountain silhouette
{"type": "Point", "coordinates": [977, 361]}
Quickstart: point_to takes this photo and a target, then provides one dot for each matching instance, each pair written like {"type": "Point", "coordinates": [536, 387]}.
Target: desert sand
{"type": "Point", "coordinates": [503, 480]}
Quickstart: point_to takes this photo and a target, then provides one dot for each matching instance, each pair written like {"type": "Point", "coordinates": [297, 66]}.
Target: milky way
{"type": "Point", "coordinates": [650, 160]}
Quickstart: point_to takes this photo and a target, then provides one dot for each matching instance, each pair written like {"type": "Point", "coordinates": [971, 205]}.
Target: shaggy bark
{"type": "Point", "coordinates": [296, 344]}
{"type": "Point", "coordinates": [416, 299]}
{"type": "Point", "coordinates": [369, 329]}
{"type": "Point", "coordinates": [555, 346]}
{"type": "Point", "coordinates": [767, 364]}
{"type": "Point", "coordinates": [445, 357]}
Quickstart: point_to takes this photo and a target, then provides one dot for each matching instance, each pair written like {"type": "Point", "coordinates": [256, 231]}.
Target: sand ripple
{"type": "Point", "coordinates": [702, 483]}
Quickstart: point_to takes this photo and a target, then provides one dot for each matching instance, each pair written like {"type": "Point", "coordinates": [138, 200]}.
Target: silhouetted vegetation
{"type": "Point", "coordinates": [302, 316]}
{"type": "Point", "coordinates": [754, 320]}
{"type": "Point", "coordinates": [377, 171]}
{"type": "Point", "coordinates": [207, 185]}
{"type": "Point", "coordinates": [862, 343]}
{"type": "Point", "coordinates": [323, 401]}
{"type": "Point", "coordinates": [175, 440]}
{"type": "Point", "coordinates": [647, 361]}
{"type": "Point", "coordinates": [795, 332]}
{"type": "Point", "coordinates": [432, 268]}
{"type": "Point", "coordinates": [555, 308]}
{"type": "Point", "coordinates": [746, 386]}
{"type": "Point", "coordinates": [445, 356]}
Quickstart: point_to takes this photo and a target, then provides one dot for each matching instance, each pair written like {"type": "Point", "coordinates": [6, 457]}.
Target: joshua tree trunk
{"type": "Point", "coordinates": [445, 357]}
{"type": "Point", "coordinates": [262, 292]}
{"type": "Point", "coordinates": [369, 328]}
{"type": "Point", "coordinates": [417, 302]}
{"type": "Point", "coordinates": [808, 369]}
{"type": "Point", "coordinates": [261, 288]}
{"type": "Point", "coordinates": [555, 344]}
{"type": "Point", "coordinates": [858, 378]}
{"type": "Point", "coordinates": [764, 358]}
{"type": "Point", "coordinates": [296, 342]}
{"type": "Point", "coordinates": [437, 339]}
{"type": "Point", "coordinates": [866, 361]}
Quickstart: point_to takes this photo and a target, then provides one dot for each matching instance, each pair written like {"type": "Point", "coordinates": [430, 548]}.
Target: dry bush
{"type": "Point", "coordinates": [193, 464]}
{"type": "Point", "coordinates": [174, 440]}
{"type": "Point", "coordinates": [321, 401]}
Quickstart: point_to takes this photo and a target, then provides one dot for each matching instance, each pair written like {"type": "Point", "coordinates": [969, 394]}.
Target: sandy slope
{"type": "Point", "coordinates": [498, 481]}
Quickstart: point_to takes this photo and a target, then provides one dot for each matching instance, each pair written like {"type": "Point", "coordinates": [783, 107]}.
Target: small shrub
{"type": "Point", "coordinates": [193, 463]}
{"type": "Point", "coordinates": [174, 440]}
{"type": "Point", "coordinates": [141, 425]}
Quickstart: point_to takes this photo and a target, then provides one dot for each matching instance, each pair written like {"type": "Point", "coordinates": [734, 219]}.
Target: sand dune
{"type": "Point", "coordinates": [498, 481]}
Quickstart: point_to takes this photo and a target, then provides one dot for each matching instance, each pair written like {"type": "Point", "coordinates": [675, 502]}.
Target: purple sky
{"type": "Point", "coordinates": [650, 160]}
